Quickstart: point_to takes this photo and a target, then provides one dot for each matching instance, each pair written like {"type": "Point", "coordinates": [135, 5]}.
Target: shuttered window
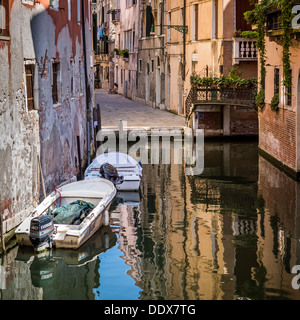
{"type": "Point", "coordinates": [4, 18]}
{"type": "Point", "coordinates": [276, 80]}
{"type": "Point", "coordinates": [289, 93]}
{"type": "Point", "coordinates": [55, 74]}
{"type": "Point", "coordinates": [29, 70]}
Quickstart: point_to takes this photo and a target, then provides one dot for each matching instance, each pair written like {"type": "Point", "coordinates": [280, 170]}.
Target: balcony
{"type": "Point", "coordinates": [244, 50]}
{"type": "Point", "coordinates": [239, 96]}
{"type": "Point", "coordinates": [274, 26]}
{"type": "Point", "coordinates": [115, 15]}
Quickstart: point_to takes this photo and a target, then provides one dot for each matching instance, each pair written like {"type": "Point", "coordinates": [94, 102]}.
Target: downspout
{"type": "Point", "coordinates": [86, 81]}
{"type": "Point", "coordinates": [184, 39]}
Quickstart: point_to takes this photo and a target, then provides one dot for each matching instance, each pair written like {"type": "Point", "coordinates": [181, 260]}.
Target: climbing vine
{"type": "Point", "coordinates": [257, 17]}
{"type": "Point", "coordinates": [286, 17]}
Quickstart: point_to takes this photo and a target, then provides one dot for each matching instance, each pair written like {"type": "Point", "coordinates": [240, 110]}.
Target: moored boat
{"type": "Point", "coordinates": [69, 216]}
{"type": "Point", "coordinates": [129, 171]}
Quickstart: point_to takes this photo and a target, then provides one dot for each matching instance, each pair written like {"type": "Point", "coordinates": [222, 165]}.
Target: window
{"type": "Point", "coordinates": [195, 22]}
{"type": "Point", "coordinates": [29, 71]}
{"type": "Point", "coordinates": [136, 80]}
{"type": "Point", "coordinates": [149, 20]}
{"type": "Point", "coordinates": [140, 65]}
{"type": "Point", "coordinates": [80, 77]}
{"type": "Point", "coordinates": [54, 4]}
{"type": "Point", "coordinates": [129, 78]}
{"type": "Point", "coordinates": [69, 9]}
{"type": "Point", "coordinates": [288, 93]}
{"type": "Point", "coordinates": [117, 70]}
{"type": "Point", "coordinates": [214, 25]}
{"type": "Point", "coordinates": [276, 80]}
{"type": "Point", "coordinates": [181, 23]}
{"type": "Point", "coordinates": [128, 43]}
{"type": "Point", "coordinates": [133, 38]}
{"type": "Point", "coordinates": [30, 2]}
{"type": "Point", "coordinates": [4, 18]}
{"type": "Point", "coordinates": [130, 3]}
{"type": "Point", "coordinates": [78, 12]}
{"type": "Point", "coordinates": [169, 29]}
{"type": "Point", "coordinates": [152, 65]}
{"type": "Point", "coordinates": [55, 81]}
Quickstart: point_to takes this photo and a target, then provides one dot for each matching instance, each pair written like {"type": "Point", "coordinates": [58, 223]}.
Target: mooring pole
{"type": "Point", "coordinates": [79, 156]}
{"type": "Point", "coordinates": [1, 226]}
{"type": "Point", "coordinates": [42, 178]}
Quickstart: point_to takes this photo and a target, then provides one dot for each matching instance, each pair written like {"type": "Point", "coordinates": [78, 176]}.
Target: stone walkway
{"type": "Point", "coordinates": [115, 107]}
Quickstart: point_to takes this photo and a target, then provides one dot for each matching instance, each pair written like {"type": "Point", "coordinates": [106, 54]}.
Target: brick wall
{"type": "Point", "coordinates": [278, 134]}
{"type": "Point", "coordinates": [210, 120]}
{"type": "Point", "coordinates": [243, 121]}
{"type": "Point", "coordinates": [248, 69]}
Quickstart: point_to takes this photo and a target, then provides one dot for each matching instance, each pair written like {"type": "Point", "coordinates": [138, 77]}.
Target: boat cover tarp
{"type": "Point", "coordinates": [72, 213]}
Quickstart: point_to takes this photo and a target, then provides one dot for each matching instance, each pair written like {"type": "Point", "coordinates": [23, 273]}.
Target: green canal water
{"type": "Point", "coordinates": [230, 233]}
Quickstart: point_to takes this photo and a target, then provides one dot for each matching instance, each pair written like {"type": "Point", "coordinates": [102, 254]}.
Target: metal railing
{"type": "Point", "coordinates": [240, 96]}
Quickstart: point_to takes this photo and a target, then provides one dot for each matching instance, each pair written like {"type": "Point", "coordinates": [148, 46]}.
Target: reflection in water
{"type": "Point", "coordinates": [231, 233]}
{"type": "Point", "coordinates": [55, 274]}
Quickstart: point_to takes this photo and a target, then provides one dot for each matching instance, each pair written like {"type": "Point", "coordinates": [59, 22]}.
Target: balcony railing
{"type": "Point", "coordinates": [244, 50]}
{"type": "Point", "coordinates": [115, 15]}
{"type": "Point", "coordinates": [240, 96]}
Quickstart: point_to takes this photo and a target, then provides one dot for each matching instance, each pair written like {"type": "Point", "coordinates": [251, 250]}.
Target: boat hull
{"type": "Point", "coordinates": [70, 236]}
{"type": "Point", "coordinates": [127, 168]}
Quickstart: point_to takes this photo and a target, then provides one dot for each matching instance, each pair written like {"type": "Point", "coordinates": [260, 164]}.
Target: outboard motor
{"type": "Point", "coordinates": [41, 232]}
{"type": "Point", "coordinates": [110, 173]}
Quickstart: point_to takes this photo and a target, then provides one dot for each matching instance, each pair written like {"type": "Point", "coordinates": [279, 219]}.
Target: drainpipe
{"type": "Point", "coordinates": [184, 38]}
{"type": "Point", "coordinates": [86, 80]}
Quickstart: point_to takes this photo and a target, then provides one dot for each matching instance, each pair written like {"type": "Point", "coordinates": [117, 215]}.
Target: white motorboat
{"type": "Point", "coordinates": [69, 216]}
{"type": "Point", "coordinates": [128, 170]}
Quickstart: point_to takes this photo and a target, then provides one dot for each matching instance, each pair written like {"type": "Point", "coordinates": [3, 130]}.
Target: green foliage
{"type": "Point", "coordinates": [260, 99]}
{"type": "Point", "coordinates": [275, 102]}
{"type": "Point", "coordinates": [286, 20]}
{"type": "Point", "coordinates": [258, 17]}
{"type": "Point", "coordinates": [249, 34]}
{"type": "Point", "coordinates": [197, 81]}
{"type": "Point", "coordinates": [124, 53]}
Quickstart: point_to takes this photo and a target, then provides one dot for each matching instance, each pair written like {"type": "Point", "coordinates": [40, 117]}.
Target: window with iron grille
{"type": "Point", "coordinates": [288, 92]}
{"type": "Point", "coordinates": [276, 81]}
{"type": "Point", "coordinates": [29, 71]}
{"type": "Point", "coordinates": [55, 79]}
{"type": "Point", "coordinates": [4, 18]}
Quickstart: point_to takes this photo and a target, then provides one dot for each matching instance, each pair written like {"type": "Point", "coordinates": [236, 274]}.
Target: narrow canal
{"type": "Point", "coordinates": [231, 233]}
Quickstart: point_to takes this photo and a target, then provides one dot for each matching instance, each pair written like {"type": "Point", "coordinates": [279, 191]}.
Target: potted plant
{"type": "Point", "coordinates": [237, 33]}
{"type": "Point", "coordinates": [124, 53]}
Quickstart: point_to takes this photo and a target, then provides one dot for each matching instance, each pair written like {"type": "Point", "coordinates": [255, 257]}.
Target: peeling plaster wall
{"type": "Point", "coordinates": [39, 34]}
{"type": "Point", "coordinates": [60, 40]}
{"type": "Point", "coordinates": [19, 136]}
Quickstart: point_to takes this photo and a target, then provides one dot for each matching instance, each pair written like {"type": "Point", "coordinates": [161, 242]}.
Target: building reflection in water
{"type": "Point", "coordinates": [54, 274]}
{"type": "Point", "coordinates": [230, 233]}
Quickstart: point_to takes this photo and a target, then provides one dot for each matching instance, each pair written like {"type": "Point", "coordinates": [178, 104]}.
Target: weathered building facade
{"type": "Point", "coordinates": [103, 39]}
{"type": "Point", "coordinates": [211, 46]}
{"type": "Point", "coordinates": [279, 128]}
{"type": "Point", "coordinates": [126, 18]}
{"type": "Point", "coordinates": [19, 119]}
{"type": "Point", "coordinates": [170, 41]}
{"type": "Point", "coordinates": [151, 61]}
{"type": "Point", "coordinates": [46, 97]}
